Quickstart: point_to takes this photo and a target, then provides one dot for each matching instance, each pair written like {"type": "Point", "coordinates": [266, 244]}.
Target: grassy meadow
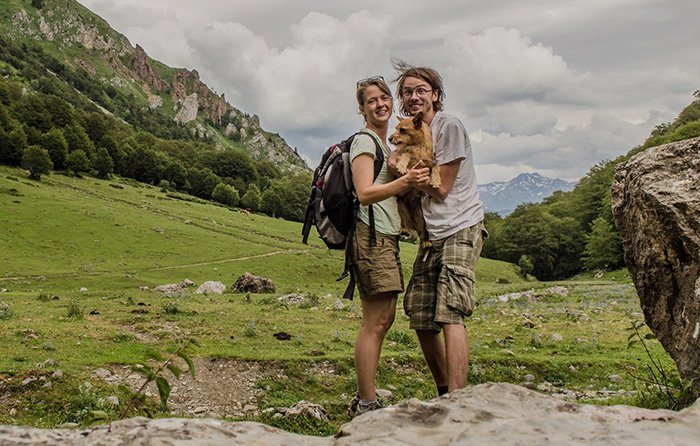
{"type": "Point", "coordinates": [112, 237]}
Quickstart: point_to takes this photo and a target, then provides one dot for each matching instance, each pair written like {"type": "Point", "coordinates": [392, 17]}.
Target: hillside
{"type": "Point", "coordinates": [68, 41]}
{"type": "Point", "coordinates": [503, 197]}
{"type": "Point", "coordinates": [65, 232]}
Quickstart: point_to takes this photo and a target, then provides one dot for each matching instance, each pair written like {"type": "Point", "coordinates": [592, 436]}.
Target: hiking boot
{"type": "Point", "coordinates": [357, 407]}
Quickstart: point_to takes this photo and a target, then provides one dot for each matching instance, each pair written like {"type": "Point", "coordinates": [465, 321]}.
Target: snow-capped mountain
{"type": "Point", "coordinates": [504, 196]}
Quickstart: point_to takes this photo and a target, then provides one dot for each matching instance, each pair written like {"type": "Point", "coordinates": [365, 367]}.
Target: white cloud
{"type": "Point", "coordinates": [309, 83]}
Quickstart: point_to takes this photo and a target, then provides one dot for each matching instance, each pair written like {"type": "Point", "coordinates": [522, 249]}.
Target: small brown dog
{"type": "Point", "coordinates": [414, 143]}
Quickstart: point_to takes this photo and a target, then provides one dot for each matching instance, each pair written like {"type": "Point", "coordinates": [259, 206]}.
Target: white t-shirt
{"type": "Point", "coordinates": [386, 212]}
{"type": "Point", "coordinates": [462, 207]}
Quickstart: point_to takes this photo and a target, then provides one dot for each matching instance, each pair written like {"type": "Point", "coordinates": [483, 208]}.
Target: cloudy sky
{"type": "Point", "coordinates": [552, 86]}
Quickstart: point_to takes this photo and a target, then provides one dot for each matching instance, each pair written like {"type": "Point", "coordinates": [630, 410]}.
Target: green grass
{"type": "Point", "coordinates": [62, 234]}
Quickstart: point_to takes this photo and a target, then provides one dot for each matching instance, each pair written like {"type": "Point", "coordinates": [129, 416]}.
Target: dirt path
{"type": "Point", "coordinates": [236, 259]}
{"type": "Point", "coordinates": [220, 388]}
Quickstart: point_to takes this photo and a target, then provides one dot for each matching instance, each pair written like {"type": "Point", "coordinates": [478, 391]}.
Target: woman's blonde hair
{"type": "Point", "coordinates": [362, 85]}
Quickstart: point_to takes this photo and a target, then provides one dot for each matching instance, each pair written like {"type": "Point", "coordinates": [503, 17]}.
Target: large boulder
{"type": "Point", "coordinates": [656, 204]}
{"type": "Point", "coordinates": [211, 287]}
{"type": "Point", "coordinates": [249, 283]}
{"type": "Point", "coordinates": [487, 414]}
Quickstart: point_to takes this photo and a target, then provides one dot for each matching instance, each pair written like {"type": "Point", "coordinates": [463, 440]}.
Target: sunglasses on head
{"type": "Point", "coordinates": [369, 80]}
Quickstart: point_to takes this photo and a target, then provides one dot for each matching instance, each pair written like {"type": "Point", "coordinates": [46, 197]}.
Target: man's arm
{"type": "Point", "coordinates": [448, 175]}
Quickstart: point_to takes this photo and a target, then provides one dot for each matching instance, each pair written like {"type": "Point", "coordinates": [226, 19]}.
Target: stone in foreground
{"type": "Point", "coordinates": [487, 414]}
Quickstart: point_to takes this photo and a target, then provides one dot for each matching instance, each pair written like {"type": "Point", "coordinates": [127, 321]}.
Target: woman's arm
{"type": "Point", "coordinates": [368, 193]}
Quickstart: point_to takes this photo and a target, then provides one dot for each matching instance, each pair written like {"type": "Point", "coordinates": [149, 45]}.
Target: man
{"type": "Point", "coordinates": [440, 293]}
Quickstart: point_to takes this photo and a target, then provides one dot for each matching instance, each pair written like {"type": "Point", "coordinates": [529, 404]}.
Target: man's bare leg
{"type": "Point", "coordinates": [457, 355]}
{"type": "Point", "coordinates": [434, 352]}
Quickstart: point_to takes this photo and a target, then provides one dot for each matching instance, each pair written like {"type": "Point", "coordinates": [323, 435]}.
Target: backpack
{"type": "Point", "coordinates": [333, 205]}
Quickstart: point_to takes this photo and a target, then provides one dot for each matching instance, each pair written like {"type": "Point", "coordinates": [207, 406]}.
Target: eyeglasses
{"type": "Point", "coordinates": [369, 80]}
{"type": "Point", "coordinates": [420, 91]}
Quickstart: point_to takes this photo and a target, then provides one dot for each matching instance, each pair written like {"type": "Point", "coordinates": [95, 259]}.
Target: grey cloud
{"type": "Point", "coordinates": [552, 86]}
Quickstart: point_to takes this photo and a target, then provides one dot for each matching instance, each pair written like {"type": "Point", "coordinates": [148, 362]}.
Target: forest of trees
{"type": "Point", "coordinates": [574, 231]}
{"type": "Point", "coordinates": [50, 124]}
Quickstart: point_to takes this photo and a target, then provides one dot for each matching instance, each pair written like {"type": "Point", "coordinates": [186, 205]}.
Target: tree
{"type": "Point", "coordinates": [202, 181]}
{"type": "Point", "coordinates": [57, 146]}
{"type": "Point", "coordinates": [95, 126]}
{"type": "Point", "coordinates": [103, 163]}
{"type": "Point", "coordinates": [252, 198]}
{"type": "Point", "coordinates": [176, 174]}
{"type": "Point", "coordinates": [525, 265]}
{"type": "Point", "coordinates": [37, 161]}
{"type": "Point", "coordinates": [231, 163]}
{"type": "Point", "coordinates": [31, 110]}
{"type": "Point", "coordinates": [271, 202]}
{"type": "Point", "coordinates": [79, 140]}
{"type": "Point", "coordinates": [603, 246]}
{"type": "Point", "coordinates": [77, 162]}
{"type": "Point", "coordinates": [145, 165]}
{"type": "Point", "coordinates": [225, 194]}
{"type": "Point", "coordinates": [530, 230]}
{"type": "Point", "coordinates": [109, 142]}
{"type": "Point", "coordinates": [12, 145]}
{"type": "Point", "coordinates": [5, 120]}
{"type": "Point", "coordinates": [493, 223]}
{"type": "Point", "coordinates": [60, 111]}
{"type": "Point", "coordinates": [295, 195]}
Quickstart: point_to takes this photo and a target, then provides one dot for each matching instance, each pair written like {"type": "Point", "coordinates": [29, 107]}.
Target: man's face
{"type": "Point", "coordinates": [418, 96]}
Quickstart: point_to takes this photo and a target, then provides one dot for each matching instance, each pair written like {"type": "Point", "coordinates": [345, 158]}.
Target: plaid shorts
{"type": "Point", "coordinates": [441, 289]}
{"type": "Point", "coordinates": [377, 269]}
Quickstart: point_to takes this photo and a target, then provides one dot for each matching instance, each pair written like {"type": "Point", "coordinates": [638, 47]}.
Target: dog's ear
{"type": "Point", "coordinates": [418, 120]}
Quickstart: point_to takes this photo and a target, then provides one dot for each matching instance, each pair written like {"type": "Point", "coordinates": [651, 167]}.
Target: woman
{"type": "Point", "coordinates": [377, 269]}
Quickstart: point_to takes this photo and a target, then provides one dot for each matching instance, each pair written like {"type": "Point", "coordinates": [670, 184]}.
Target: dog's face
{"type": "Point", "coordinates": [410, 132]}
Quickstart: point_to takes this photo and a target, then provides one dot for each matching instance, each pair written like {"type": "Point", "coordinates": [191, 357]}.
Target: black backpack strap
{"type": "Point", "coordinates": [378, 163]}
{"type": "Point", "coordinates": [372, 230]}
{"type": "Point", "coordinates": [350, 289]}
{"type": "Point", "coordinates": [309, 217]}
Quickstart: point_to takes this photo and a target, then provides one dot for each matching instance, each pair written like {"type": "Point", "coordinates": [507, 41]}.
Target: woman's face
{"type": "Point", "coordinates": [417, 96]}
{"type": "Point", "coordinates": [377, 106]}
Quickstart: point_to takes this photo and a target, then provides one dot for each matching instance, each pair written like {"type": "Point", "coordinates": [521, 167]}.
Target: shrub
{"type": "Point", "coordinates": [171, 308]}
{"type": "Point", "coordinates": [225, 194]}
{"type": "Point", "coordinates": [43, 297]}
{"type": "Point", "coordinates": [5, 310]}
{"type": "Point", "coordinates": [74, 310]}
{"type": "Point", "coordinates": [525, 265]}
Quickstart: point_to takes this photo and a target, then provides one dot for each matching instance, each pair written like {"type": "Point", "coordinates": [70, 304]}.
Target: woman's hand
{"type": "Point", "coordinates": [418, 175]}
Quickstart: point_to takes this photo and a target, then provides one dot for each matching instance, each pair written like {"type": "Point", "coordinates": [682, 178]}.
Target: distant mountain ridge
{"type": "Point", "coordinates": [503, 197]}
{"type": "Point", "coordinates": [80, 39]}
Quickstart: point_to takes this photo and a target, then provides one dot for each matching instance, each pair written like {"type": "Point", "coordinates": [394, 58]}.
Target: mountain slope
{"type": "Point", "coordinates": [504, 196]}
{"type": "Point", "coordinates": [74, 39]}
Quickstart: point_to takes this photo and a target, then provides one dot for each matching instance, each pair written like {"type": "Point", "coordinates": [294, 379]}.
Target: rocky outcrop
{"type": "Point", "coordinates": [249, 283]}
{"type": "Point", "coordinates": [188, 110]}
{"type": "Point", "coordinates": [142, 69]}
{"type": "Point", "coordinates": [487, 414]}
{"type": "Point", "coordinates": [656, 203]}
